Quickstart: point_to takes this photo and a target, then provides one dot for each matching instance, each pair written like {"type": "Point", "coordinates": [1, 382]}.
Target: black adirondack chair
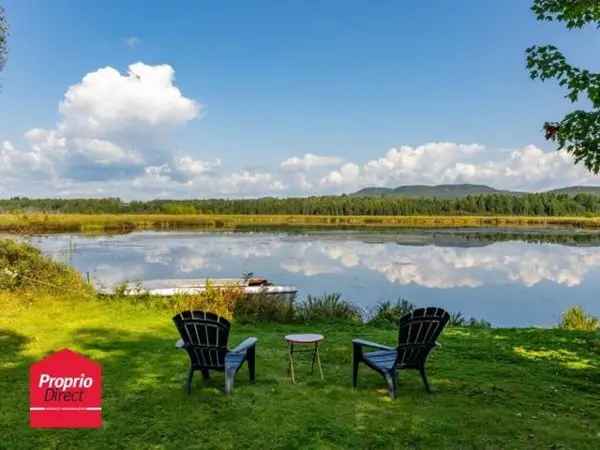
{"type": "Point", "coordinates": [416, 338]}
{"type": "Point", "coordinates": [204, 336]}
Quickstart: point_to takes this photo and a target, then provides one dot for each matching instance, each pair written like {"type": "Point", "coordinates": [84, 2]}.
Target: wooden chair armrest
{"type": "Point", "coordinates": [245, 345]}
{"type": "Point", "coordinates": [364, 343]}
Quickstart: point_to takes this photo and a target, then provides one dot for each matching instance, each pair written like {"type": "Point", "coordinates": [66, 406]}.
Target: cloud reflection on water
{"type": "Point", "coordinates": [511, 283]}
{"type": "Point", "coordinates": [427, 266]}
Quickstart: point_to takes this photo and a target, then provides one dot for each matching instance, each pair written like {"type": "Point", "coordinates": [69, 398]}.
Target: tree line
{"type": "Point", "coordinates": [540, 204]}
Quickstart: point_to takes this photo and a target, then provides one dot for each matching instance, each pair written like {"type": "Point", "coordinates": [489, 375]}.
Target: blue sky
{"type": "Point", "coordinates": [379, 92]}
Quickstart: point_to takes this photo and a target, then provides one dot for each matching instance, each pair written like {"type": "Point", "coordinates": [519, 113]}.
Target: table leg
{"type": "Point", "coordinates": [314, 357]}
{"type": "Point", "coordinates": [319, 361]}
{"type": "Point", "coordinates": [291, 366]}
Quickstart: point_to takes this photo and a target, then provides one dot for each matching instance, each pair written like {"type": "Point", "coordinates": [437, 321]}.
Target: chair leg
{"type": "Point", "coordinates": [206, 374]}
{"type": "Point", "coordinates": [355, 363]}
{"type": "Point", "coordinates": [251, 357]}
{"type": "Point", "coordinates": [188, 385]}
{"type": "Point", "coordinates": [229, 377]}
{"type": "Point", "coordinates": [424, 377]}
{"type": "Point", "coordinates": [390, 377]}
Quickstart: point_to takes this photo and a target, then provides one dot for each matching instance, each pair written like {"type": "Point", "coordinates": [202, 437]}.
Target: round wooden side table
{"type": "Point", "coordinates": [304, 339]}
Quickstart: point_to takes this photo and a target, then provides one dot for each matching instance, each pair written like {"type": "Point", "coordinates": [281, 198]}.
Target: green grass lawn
{"type": "Point", "coordinates": [496, 389]}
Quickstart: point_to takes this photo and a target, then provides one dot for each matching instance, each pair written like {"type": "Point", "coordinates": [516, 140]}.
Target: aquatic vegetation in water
{"type": "Point", "coordinates": [125, 223]}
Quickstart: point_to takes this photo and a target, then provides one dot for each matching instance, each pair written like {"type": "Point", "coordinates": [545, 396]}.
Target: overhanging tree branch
{"type": "Point", "coordinates": [3, 38]}
{"type": "Point", "coordinates": [578, 132]}
{"type": "Point", "coordinates": [575, 13]}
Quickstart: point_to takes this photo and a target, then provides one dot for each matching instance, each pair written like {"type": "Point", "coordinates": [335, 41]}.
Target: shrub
{"type": "Point", "coordinates": [456, 320]}
{"type": "Point", "coordinates": [477, 323]}
{"type": "Point", "coordinates": [264, 308]}
{"type": "Point", "coordinates": [387, 313]}
{"type": "Point", "coordinates": [220, 300]}
{"type": "Point", "coordinates": [327, 307]}
{"type": "Point", "coordinates": [575, 318]}
{"type": "Point", "coordinates": [178, 208]}
{"type": "Point", "coordinates": [24, 268]}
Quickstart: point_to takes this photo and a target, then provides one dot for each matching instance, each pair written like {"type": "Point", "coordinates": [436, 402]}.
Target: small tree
{"type": "Point", "coordinates": [579, 131]}
{"type": "Point", "coordinates": [3, 38]}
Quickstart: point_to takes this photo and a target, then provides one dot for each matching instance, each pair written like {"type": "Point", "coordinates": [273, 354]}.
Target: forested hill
{"type": "Point", "coordinates": [573, 190]}
{"type": "Point", "coordinates": [446, 191]}
{"type": "Point", "coordinates": [545, 204]}
{"type": "Point", "coordinates": [439, 191]}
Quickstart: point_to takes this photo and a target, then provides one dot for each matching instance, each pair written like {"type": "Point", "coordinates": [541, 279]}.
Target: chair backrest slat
{"type": "Point", "coordinates": [205, 335]}
{"type": "Point", "coordinates": [421, 327]}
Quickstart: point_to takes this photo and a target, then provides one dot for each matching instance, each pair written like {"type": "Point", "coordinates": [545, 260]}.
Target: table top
{"type": "Point", "coordinates": [304, 338]}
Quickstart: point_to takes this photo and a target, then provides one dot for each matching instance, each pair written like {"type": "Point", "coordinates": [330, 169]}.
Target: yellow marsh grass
{"type": "Point", "coordinates": [48, 223]}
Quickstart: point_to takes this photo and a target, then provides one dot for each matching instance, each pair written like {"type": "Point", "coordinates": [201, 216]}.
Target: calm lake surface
{"type": "Point", "coordinates": [508, 278]}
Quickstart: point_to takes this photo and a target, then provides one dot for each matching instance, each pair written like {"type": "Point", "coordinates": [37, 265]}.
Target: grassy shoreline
{"type": "Point", "coordinates": [57, 223]}
{"type": "Point", "coordinates": [493, 388]}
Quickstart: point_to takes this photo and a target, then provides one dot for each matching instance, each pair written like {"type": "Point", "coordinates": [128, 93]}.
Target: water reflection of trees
{"type": "Point", "coordinates": [483, 238]}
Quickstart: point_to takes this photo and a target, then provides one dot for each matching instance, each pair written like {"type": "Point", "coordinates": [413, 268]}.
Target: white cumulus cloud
{"type": "Point", "coordinates": [114, 126]}
{"type": "Point", "coordinates": [109, 104]}
{"type": "Point", "coordinates": [527, 168]}
{"type": "Point", "coordinates": [308, 162]}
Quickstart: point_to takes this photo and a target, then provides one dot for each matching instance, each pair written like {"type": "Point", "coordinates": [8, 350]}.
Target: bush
{"type": "Point", "coordinates": [477, 323]}
{"type": "Point", "coordinates": [264, 308]}
{"type": "Point", "coordinates": [575, 318]}
{"type": "Point", "coordinates": [220, 300]}
{"type": "Point", "coordinates": [24, 268]}
{"type": "Point", "coordinates": [327, 307]}
{"type": "Point", "coordinates": [178, 208]}
{"type": "Point", "coordinates": [456, 320]}
{"type": "Point", "coordinates": [387, 313]}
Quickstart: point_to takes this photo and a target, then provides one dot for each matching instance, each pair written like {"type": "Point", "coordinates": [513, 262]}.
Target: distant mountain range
{"type": "Point", "coordinates": [458, 191]}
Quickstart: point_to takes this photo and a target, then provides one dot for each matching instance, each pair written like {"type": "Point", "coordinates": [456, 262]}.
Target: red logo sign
{"type": "Point", "coordinates": [65, 391]}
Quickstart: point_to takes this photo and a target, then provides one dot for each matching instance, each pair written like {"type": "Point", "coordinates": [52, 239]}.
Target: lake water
{"type": "Point", "coordinates": [504, 278]}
